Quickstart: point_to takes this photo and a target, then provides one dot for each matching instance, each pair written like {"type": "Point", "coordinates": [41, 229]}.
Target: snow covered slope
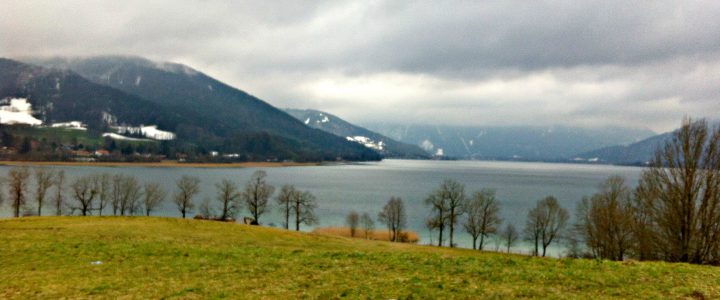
{"type": "Point", "coordinates": [17, 111]}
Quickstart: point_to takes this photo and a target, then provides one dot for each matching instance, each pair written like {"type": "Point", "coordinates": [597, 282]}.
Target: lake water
{"type": "Point", "coordinates": [366, 187]}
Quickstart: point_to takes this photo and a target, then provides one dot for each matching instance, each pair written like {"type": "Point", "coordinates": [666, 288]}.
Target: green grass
{"type": "Point", "coordinates": [64, 135]}
{"type": "Point", "coordinates": [60, 135]}
{"type": "Point", "coordinates": [174, 258]}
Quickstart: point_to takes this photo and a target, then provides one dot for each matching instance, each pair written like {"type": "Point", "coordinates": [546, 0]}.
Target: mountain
{"type": "Point", "coordinates": [633, 154]}
{"type": "Point", "coordinates": [60, 96]}
{"type": "Point", "coordinates": [555, 143]}
{"type": "Point", "coordinates": [337, 126]}
{"type": "Point", "coordinates": [205, 111]}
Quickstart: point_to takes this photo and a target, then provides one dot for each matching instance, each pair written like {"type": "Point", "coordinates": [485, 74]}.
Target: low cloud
{"type": "Point", "coordinates": [452, 62]}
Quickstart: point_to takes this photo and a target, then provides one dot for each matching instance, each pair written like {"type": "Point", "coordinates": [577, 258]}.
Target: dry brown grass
{"type": "Point", "coordinates": [163, 164]}
{"type": "Point", "coordinates": [378, 235]}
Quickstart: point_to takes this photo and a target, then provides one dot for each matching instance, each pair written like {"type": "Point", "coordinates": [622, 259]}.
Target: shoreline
{"type": "Point", "coordinates": [163, 164]}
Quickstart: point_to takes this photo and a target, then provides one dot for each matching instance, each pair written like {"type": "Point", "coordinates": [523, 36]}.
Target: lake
{"type": "Point", "coordinates": [365, 187]}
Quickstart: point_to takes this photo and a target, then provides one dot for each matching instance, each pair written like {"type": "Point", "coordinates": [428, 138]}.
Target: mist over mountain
{"type": "Point", "coordinates": [639, 153]}
{"type": "Point", "coordinates": [333, 124]}
{"type": "Point", "coordinates": [62, 95]}
{"type": "Point", "coordinates": [555, 143]}
{"type": "Point", "coordinates": [204, 112]}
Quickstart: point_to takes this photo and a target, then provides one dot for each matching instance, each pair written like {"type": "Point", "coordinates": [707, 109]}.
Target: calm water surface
{"type": "Point", "coordinates": [366, 187]}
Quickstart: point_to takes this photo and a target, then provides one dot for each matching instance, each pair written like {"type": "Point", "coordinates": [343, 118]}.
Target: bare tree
{"type": "Point", "coordinates": [84, 192]}
{"type": "Point", "coordinates": [17, 185]}
{"type": "Point", "coordinates": [605, 221]}
{"type": "Point", "coordinates": [545, 223]}
{"type": "Point", "coordinates": [510, 236]}
{"type": "Point", "coordinates": [446, 203]}
{"type": "Point", "coordinates": [352, 220]}
{"type": "Point", "coordinates": [368, 224]}
{"type": "Point", "coordinates": [188, 187]}
{"type": "Point", "coordinates": [284, 201]}
{"type": "Point", "coordinates": [304, 208]}
{"type": "Point", "coordinates": [206, 209]}
{"type": "Point", "coordinates": [103, 188]}
{"type": "Point", "coordinates": [394, 217]}
{"type": "Point", "coordinates": [483, 216]}
{"type": "Point", "coordinates": [438, 220]}
{"type": "Point", "coordinates": [126, 192]}
{"type": "Point", "coordinates": [59, 190]}
{"type": "Point", "coordinates": [256, 195]}
{"type": "Point", "coordinates": [43, 182]}
{"type": "Point", "coordinates": [154, 195]}
{"type": "Point", "coordinates": [115, 197]}
{"type": "Point", "coordinates": [682, 190]}
{"type": "Point", "coordinates": [645, 233]}
{"type": "Point", "coordinates": [228, 195]}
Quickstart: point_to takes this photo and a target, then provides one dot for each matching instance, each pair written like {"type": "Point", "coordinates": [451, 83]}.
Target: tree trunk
{"type": "Point", "coordinates": [287, 216]}
{"type": "Point", "coordinates": [474, 242]}
{"type": "Point", "coordinates": [440, 237]}
{"type": "Point", "coordinates": [17, 209]}
{"type": "Point", "coordinates": [451, 235]}
{"type": "Point", "coordinates": [482, 241]}
{"type": "Point", "coordinates": [297, 217]}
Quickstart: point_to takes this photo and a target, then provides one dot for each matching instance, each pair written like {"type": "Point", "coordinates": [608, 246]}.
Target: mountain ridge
{"type": "Point", "coordinates": [170, 95]}
{"type": "Point", "coordinates": [549, 143]}
{"type": "Point", "coordinates": [333, 124]}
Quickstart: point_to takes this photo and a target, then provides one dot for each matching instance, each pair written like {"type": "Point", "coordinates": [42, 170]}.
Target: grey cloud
{"type": "Point", "coordinates": [609, 62]}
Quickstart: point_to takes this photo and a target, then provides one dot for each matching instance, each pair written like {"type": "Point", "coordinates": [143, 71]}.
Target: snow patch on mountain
{"type": "Point", "coordinates": [18, 111]}
{"type": "Point", "coordinates": [76, 125]}
{"type": "Point", "coordinates": [367, 142]}
{"type": "Point", "coordinates": [150, 131]}
{"type": "Point", "coordinates": [116, 136]}
{"type": "Point", "coordinates": [427, 145]}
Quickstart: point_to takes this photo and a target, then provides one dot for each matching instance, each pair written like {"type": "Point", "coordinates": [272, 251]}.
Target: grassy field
{"type": "Point", "coordinates": [112, 257]}
{"type": "Point", "coordinates": [55, 134]}
{"type": "Point", "coordinates": [377, 234]}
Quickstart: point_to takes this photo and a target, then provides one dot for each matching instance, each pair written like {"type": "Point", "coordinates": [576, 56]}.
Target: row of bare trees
{"type": "Point", "coordinates": [90, 193]}
{"type": "Point", "coordinates": [480, 217]}
{"type": "Point", "coordinates": [393, 215]}
{"type": "Point", "coordinates": [255, 196]}
{"type": "Point", "coordinates": [18, 185]}
{"type": "Point", "coordinates": [124, 195]}
{"type": "Point", "coordinates": [674, 212]}
{"type": "Point", "coordinates": [354, 221]}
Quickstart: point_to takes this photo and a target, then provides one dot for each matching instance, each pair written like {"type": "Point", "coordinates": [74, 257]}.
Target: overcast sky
{"type": "Point", "coordinates": [627, 63]}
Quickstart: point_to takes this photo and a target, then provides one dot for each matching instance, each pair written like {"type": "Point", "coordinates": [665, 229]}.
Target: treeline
{"type": "Point", "coordinates": [26, 143]}
{"type": "Point", "coordinates": [673, 214]}
{"type": "Point", "coordinates": [29, 191]}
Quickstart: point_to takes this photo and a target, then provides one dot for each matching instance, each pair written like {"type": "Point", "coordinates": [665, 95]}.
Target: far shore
{"type": "Point", "coordinates": [163, 164]}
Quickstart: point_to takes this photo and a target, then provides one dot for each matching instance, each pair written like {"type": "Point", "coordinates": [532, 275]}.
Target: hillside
{"type": "Point", "coordinates": [554, 143]}
{"type": "Point", "coordinates": [137, 257]}
{"type": "Point", "coordinates": [60, 96]}
{"type": "Point", "coordinates": [200, 110]}
{"type": "Point", "coordinates": [333, 124]}
{"type": "Point", "coordinates": [633, 154]}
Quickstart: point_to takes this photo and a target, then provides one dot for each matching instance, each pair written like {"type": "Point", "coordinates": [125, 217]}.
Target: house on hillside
{"type": "Point", "coordinates": [101, 152]}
